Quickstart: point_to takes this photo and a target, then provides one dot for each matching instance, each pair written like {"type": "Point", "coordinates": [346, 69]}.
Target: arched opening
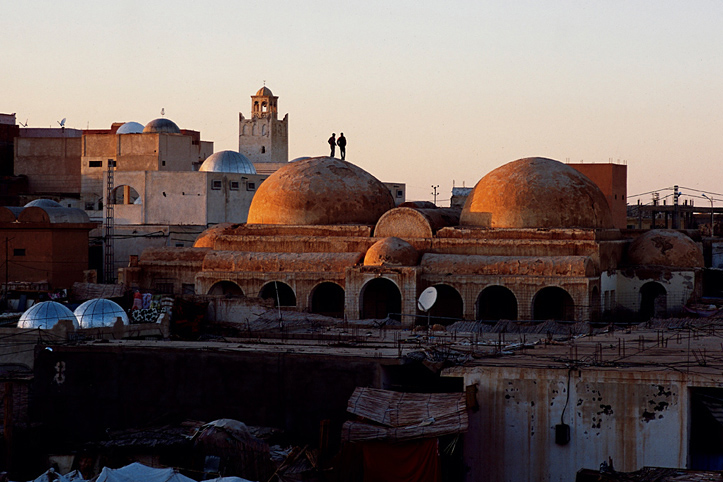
{"type": "Point", "coordinates": [125, 194]}
{"type": "Point", "coordinates": [281, 293]}
{"type": "Point", "coordinates": [595, 313]}
{"type": "Point", "coordinates": [264, 107]}
{"type": "Point", "coordinates": [448, 308]}
{"type": "Point", "coordinates": [553, 303]}
{"type": "Point", "coordinates": [228, 289]}
{"type": "Point", "coordinates": [328, 299]}
{"type": "Point", "coordinates": [496, 303]}
{"type": "Point", "coordinates": [653, 301]}
{"type": "Point", "coordinates": [245, 130]}
{"type": "Point", "coordinates": [379, 298]}
{"type": "Point", "coordinates": [263, 130]}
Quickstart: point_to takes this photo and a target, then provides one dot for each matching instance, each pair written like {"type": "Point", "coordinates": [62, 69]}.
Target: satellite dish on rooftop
{"type": "Point", "coordinates": [62, 122]}
{"type": "Point", "coordinates": [427, 299]}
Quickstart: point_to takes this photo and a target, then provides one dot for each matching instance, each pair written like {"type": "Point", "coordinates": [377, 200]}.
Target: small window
{"type": "Point", "coordinates": [251, 186]}
{"type": "Point", "coordinates": [263, 149]}
{"type": "Point", "coordinates": [95, 163]}
{"type": "Point", "coordinates": [216, 185]}
{"type": "Point", "coordinates": [163, 163]}
{"type": "Point", "coordinates": [400, 193]}
{"type": "Point", "coordinates": [234, 185]}
{"type": "Point", "coordinates": [179, 245]}
{"type": "Point", "coordinates": [90, 206]}
{"type": "Point", "coordinates": [19, 252]}
{"type": "Point", "coordinates": [188, 289]}
{"type": "Point", "coordinates": [616, 196]}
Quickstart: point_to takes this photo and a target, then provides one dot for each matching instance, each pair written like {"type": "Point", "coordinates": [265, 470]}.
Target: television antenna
{"type": "Point", "coordinates": [24, 125]}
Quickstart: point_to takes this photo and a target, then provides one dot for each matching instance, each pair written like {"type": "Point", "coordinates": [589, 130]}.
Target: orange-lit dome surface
{"type": "Point", "coordinates": [536, 193]}
{"type": "Point", "coordinates": [662, 247]}
{"type": "Point", "coordinates": [320, 191]}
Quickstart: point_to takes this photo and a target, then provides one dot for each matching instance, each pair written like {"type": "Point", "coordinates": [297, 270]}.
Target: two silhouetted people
{"type": "Point", "coordinates": [341, 142]}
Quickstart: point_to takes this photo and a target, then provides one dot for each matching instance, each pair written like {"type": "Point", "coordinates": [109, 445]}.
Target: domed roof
{"type": "Point", "coordinates": [302, 158]}
{"type": "Point", "coordinates": [265, 91]}
{"type": "Point", "coordinates": [161, 126]}
{"type": "Point", "coordinates": [391, 252]}
{"type": "Point", "coordinates": [320, 191]}
{"type": "Point", "coordinates": [45, 315]}
{"type": "Point", "coordinates": [536, 193]}
{"type": "Point", "coordinates": [99, 312]}
{"type": "Point", "coordinates": [228, 161]}
{"type": "Point", "coordinates": [130, 128]}
{"type": "Point", "coordinates": [664, 247]}
{"type": "Point", "coordinates": [43, 203]}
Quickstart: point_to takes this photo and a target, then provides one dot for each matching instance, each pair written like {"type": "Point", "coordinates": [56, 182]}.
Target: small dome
{"type": "Point", "coordinates": [130, 128]}
{"type": "Point", "coordinates": [302, 158]}
{"type": "Point", "coordinates": [43, 203]}
{"type": "Point", "coordinates": [228, 161]}
{"type": "Point", "coordinates": [99, 312]}
{"type": "Point", "coordinates": [391, 252]}
{"type": "Point", "coordinates": [536, 193]}
{"type": "Point", "coordinates": [45, 315]}
{"type": "Point", "coordinates": [320, 191]}
{"type": "Point", "coordinates": [264, 91]}
{"type": "Point", "coordinates": [161, 126]}
{"type": "Point", "coordinates": [664, 247]}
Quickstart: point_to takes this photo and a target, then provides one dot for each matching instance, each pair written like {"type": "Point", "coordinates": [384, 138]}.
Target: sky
{"type": "Point", "coordinates": [427, 93]}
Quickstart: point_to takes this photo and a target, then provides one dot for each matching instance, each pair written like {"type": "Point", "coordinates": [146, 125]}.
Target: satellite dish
{"type": "Point", "coordinates": [427, 299]}
{"type": "Point", "coordinates": [62, 122]}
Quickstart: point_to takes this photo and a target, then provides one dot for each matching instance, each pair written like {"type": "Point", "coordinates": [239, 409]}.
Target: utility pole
{"type": "Point", "coordinates": [434, 193]}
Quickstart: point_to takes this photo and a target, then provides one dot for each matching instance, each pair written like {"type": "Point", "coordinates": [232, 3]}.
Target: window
{"type": "Point", "coordinates": [216, 185]}
{"type": "Point", "coordinates": [90, 206]}
{"type": "Point", "coordinates": [188, 288]}
{"type": "Point", "coordinates": [165, 288]}
{"type": "Point", "coordinates": [19, 252]}
{"type": "Point", "coordinates": [263, 149]}
{"type": "Point", "coordinates": [95, 163]}
{"type": "Point", "coordinates": [179, 245]}
{"type": "Point", "coordinates": [400, 193]}
{"type": "Point", "coordinates": [234, 185]}
{"type": "Point", "coordinates": [163, 163]}
{"type": "Point", "coordinates": [251, 186]}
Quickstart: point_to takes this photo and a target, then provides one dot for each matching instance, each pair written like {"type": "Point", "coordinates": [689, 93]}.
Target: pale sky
{"type": "Point", "coordinates": [427, 93]}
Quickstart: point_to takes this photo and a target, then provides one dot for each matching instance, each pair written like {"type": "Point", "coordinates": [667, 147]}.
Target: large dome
{"type": "Point", "coordinates": [161, 126]}
{"type": "Point", "coordinates": [664, 247]}
{"type": "Point", "coordinates": [228, 161]}
{"type": "Point", "coordinates": [99, 312]}
{"type": "Point", "coordinates": [320, 191]}
{"type": "Point", "coordinates": [45, 315]}
{"type": "Point", "coordinates": [536, 193]}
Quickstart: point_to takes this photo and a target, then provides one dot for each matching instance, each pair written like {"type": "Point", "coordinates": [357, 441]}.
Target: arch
{"type": "Point", "coordinates": [327, 299]}
{"type": "Point", "coordinates": [553, 303]}
{"type": "Point", "coordinates": [228, 289]}
{"type": "Point", "coordinates": [119, 194]}
{"type": "Point", "coordinates": [448, 308]}
{"type": "Point", "coordinates": [263, 130]}
{"type": "Point", "coordinates": [254, 130]}
{"type": "Point", "coordinates": [653, 300]}
{"type": "Point", "coordinates": [280, 292]}
{"type": "Point", "coordinates": [245, 130]}
{"type": "Point", "coordinates": [496, 303]}
{"type": "Point", "coordinates": [379, 298]}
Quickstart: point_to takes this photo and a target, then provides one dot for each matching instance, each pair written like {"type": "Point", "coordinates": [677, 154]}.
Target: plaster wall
{"type": "Point", "coordinates": [679, 286]}
{"type": "Point", "coordinates": [264, 139]}
{"type": "Point", "coordinates": [52, 165]}
{"type": "Point", "coordinates": [636, 418]}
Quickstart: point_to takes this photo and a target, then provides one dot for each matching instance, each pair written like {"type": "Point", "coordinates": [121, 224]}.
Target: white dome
{"type": "Point", "coordinates": [99, 312]}
{"type": "Point", "coordinates": [43, 203]}
{"type": "Point", "coordinates": [228, 161]}
{"type": "Point", "coordinates": [45, 315]}
{"type": "Point", "coordinates": [130, 128]}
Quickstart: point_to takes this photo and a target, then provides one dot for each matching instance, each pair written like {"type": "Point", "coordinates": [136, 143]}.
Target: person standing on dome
{"type": "Point", "coordinates": [341, 142]}
{"type": "Point", "coordinates": [332, 144]}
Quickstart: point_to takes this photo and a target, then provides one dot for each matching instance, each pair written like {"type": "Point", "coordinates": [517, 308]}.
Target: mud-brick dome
{"type": "Point", "coordinates": [664, 247]}
{"type": "Point", "coordinates": [536, 193]}
{"type": "Point", "coordinates": [161, 126]}
{"type": "Point", "coordinates": [320, 191]}
{"type": "Point", "coordinates": [391, 252]}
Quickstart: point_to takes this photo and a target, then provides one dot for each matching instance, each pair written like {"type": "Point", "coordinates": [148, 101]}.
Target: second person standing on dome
{"type": "Point", "coordinates": [341, 142]}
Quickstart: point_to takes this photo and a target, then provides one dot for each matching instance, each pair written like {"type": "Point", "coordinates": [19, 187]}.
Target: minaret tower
{"type": "Point", "coordinates": [264, 138]}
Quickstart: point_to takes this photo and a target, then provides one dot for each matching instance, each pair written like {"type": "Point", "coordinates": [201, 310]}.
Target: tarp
{"type": "Point", "coordinates": [136, 472]}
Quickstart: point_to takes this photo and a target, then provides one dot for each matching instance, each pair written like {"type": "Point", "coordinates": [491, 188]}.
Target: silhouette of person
{"type": "Point", "coordinates": [341, 142]}
{"type": "Point", "coordinates": [332, 144]}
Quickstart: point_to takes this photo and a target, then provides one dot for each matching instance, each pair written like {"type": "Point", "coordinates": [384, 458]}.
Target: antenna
{"type": "Point", "coordinates": [427, 299]}
{"type": "Point", "coordinates": [163, 111]}
{"type": "Point", "coordinates": [24, 125]}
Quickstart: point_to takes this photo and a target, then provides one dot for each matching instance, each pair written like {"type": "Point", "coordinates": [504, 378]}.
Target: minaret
{"type": "Point", "coordinates": [264, 138]}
